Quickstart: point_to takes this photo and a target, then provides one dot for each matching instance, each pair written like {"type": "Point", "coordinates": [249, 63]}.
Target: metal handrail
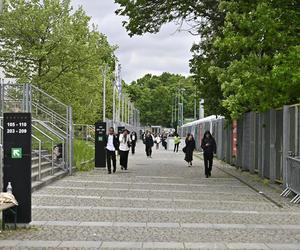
{"type": "Point", "coordinates": [40, 156]}
{"type": "Point", "coordinates": [50, 113]}
{"type": "Point", "coordinates": [53, 125]}
{"type": "Point", "coordinates": [64, 139]}
{"type": "Point", "coordinates": [49, 96]}
{"type": "Point", "coordinates": [52, 145]}
{"type": "Point", "coordinates": [44, 124]}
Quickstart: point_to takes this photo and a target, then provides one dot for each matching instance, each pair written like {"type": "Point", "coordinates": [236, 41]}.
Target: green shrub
{"type": "Point", "coordinates": [84, 154]}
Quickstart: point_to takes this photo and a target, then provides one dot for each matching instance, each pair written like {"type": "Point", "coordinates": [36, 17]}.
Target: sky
{"type": "Point", "coordinates": [167, 51]}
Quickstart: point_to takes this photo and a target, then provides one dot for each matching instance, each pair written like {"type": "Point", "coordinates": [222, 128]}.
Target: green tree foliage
{"type": "Point", "coordinates": [52, 46]}
{"type": "Point", "coordinates": [248, 57]}
{"type": "Point", "coordinates": [154, 96]}
{"type": "Point", "coordinates": [262, 39]}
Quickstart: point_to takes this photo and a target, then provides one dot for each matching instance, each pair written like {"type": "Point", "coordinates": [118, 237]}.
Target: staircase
{"type": "Point", "coordinates": [44, 173]}
{"type": "Point", "coordinates": [51, 125]}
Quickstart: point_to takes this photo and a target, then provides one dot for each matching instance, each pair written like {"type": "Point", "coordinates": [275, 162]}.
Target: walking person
{"type": "Point", "coordinates": [190, 146]}
{"type": "Point", "coordinates": [133, 138]}
{"type": "Point", "coordinates": [177, 141]}
{"type": "Point", "coordinates": [209, 147]}
{"type": "Point", "coordinates": [157, 141]}
{"type": "Point", "coordinates": [164, 141]}
{"type": "Point", "coordinates": [124, 148]}
{"type": "Point", "coordinates": [148, 144]}
{"type": "Point", "coordinates": [111, 145]}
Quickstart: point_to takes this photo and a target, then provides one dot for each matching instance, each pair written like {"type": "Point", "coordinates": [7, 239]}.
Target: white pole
{"type": "Point", "coordinates": [104, 92]}
{"type": "Point", "coordinates": [1, 6]}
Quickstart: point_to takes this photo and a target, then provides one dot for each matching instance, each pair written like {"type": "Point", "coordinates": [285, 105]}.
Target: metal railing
{"type": "Point", "coordinates": [40, 156]}
{"type": "Point", "coordinates": [52, 116]}
{"type": "Point", "coordinates": [84, 132]}
{"type": "Point", "coordinates": [293, 178]}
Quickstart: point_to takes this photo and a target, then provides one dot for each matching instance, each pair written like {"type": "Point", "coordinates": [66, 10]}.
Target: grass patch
{"type": "Point", "coordinates": [84, 153]}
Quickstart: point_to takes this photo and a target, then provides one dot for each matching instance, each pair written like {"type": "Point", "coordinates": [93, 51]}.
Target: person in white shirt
{"type": "Point", "coordinates": [112, 145]}
{"type": "Point", "coordinates": [124, 147]}
{"type": "Point", "coordinates": [157, 141]}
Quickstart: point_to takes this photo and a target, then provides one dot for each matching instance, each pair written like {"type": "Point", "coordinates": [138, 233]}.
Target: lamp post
{"type": "Point", "coordinates": [104, 72]}
{"type": "Point", "coordinates": [1, 6]}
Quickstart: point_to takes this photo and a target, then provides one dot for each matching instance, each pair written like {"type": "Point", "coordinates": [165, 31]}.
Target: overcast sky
{"type": "Point", "coordinates": [167, 51]}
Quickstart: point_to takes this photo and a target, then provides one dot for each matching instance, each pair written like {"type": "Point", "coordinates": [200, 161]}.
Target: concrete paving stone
{"type": "Point", "coordinates": [9, 243]}
{"type": "Point", "coordinates": [81, 244]}
{"type": "Point", "coordinates": [39, 243]}
{"type": "Point", "coordinates": [163, 245]}
{"type": "Point", "coordinates": [202, 245]}
{"type": "Point", "coordinates": [123, 244]}
{"type": "Point", "coordinates": [129, 224]}
{"type": "Point", "coordinates": [163, 225]}
{"type": "Point", "coordinates": [63, 223]}
{"type": "Point", "coordinates": [283, 246]}
{"type": "Point", "coordinates": [96, 223]}
{"type": "Point", "coordinates": [251, 246]}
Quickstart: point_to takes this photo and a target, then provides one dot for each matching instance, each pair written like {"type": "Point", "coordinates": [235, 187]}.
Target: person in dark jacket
{"type": "Point", "coordinates": [209, 147]}
{"type": "Point", "coordinates": [133, 138]}
{"type": "Point", "coordinates": [111, 145]}
{"type": "Point", "coordinates": [149, 143]}
{"type": "Point", "coordinates": [190, 146]}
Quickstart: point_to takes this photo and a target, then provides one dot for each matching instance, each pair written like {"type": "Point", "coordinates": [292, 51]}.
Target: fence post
{"type": "Point", "coordinates": [263, 144]}
{"type": "Point", "coordinates": [252, 143]}
{"type": "Point", "coordinates": [272, 145]}
{"type": "Point", "coordinates": [70, 139]}
{"type": "Point", "coordinates": [259, 145]}
{"type": "Point", "coordinates": [286, 141]}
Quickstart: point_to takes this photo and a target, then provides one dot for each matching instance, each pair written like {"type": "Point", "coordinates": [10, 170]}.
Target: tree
{"type": "Point", "coordinates": [201, 18]}
{"type": "Point", "coordinates": [52, 46]}
{"type": "Point", "coordinates": [154, 97]}
{"type": "Point", "coordinates": [248, 55]}
{"type": "Point", "coordinates": [262, 39]}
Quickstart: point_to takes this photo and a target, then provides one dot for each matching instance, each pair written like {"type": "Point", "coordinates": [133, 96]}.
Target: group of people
{"type": "Point", "coordinates": [126, 141]}
{"type": "Point", "coordinates": [119, 143]}
{"type": "Point", "coordinates": [150, 140]}
{"type": "Point", "coordinates": [209, 147]}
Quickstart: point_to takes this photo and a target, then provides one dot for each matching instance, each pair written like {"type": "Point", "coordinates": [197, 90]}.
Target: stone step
{"type": "Point", "coordinates": [47, 171]}
{"type": "Point", "coordinates": [137, 215]}
{"type": "Point", "coordinates": [160, 232]}
{"type": "Point", "coordinates": [98, 244]}
{"type": "Point", "coordinates": [36, 185]}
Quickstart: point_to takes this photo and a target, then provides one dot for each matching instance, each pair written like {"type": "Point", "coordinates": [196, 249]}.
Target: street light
{"type": "Point", "coordinates": [104, 72]}
{"type": "Point", "coordinates": [1, 6]}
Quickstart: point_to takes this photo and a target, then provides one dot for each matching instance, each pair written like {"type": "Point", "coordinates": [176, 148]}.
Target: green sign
{"type": "Point", "coordinates": [16, 153]}
{"type": "Point", "coordinates": [100, 138]}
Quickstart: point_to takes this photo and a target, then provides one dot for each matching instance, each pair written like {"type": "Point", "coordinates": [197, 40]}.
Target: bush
{"type": "Point", "coordinates": [84, 154]}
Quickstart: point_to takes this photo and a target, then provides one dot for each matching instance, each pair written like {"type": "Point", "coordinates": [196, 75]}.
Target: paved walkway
{"type": "Point", "coordinates": [159, 203]}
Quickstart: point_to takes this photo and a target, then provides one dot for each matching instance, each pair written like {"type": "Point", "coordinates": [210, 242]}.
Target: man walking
{"type": "Point", "coordinates": [112, 144]}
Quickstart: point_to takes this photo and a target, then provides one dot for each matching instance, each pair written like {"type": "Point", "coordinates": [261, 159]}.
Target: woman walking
{"type": "Point", "coordinates": [148, 144]}
{"type": "Point", "coordinates": [133, 138]}
{"type": "Point", "coordinates": [209, 147]}
{"type": "Point", "coordinates": [190, 146]}
{"type": "Point", "coordinates": [124, 147]}
{"type": "Point", "coordinates": [157, 141]}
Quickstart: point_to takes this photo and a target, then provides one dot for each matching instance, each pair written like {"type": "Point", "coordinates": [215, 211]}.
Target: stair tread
{"type": "Point", "coordinates": [34, 174]}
